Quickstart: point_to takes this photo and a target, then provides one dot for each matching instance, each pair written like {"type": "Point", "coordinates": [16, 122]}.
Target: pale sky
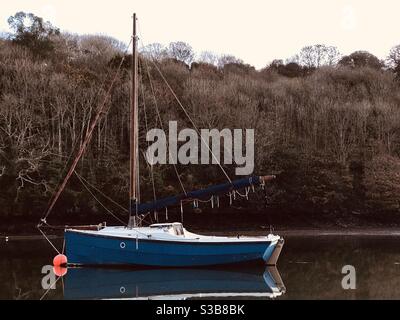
{"type": "Point", "coordinates": [256, 31]}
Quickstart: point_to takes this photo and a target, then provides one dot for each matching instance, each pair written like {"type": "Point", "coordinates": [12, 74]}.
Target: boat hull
{"type": "Point", "coordinates": [89, 249]}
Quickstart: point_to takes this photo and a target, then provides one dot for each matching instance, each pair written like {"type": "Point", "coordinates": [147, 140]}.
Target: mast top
{"type": "Point", "coordinates": [134, 24]}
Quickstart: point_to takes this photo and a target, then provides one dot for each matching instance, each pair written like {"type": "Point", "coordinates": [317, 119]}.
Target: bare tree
{"type": "Point", "coordinates": [181, 51]}
{"type": "Point", "coordinates": [101, 46]}
{"type": "Point", "coordinates": [393, 60]}
{"type": "Point", "coordinates": [208, 57]}
{"type": "Point", "coordinates": [154, 51]}
{"type": "Point", "coordinates": [318, 55]}
{"type": "Point", "coordinates": [228, 59]}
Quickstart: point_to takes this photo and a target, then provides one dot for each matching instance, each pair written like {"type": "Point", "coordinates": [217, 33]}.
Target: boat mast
{"type": "Point", "coordinates": [134, 134]}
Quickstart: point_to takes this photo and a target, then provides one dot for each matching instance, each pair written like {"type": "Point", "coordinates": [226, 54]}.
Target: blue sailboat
{"type": "Point", "coordinates": [169, 244]}
{"type": "Point", "coordinates": [165, 244]}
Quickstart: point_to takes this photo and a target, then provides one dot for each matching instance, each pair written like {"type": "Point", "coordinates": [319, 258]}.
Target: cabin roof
{"type": "Point", "coordinates": [161, 225]}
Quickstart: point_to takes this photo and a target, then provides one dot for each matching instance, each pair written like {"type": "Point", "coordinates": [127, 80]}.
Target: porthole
{"type": "Point", "coordinates": [122, 245]}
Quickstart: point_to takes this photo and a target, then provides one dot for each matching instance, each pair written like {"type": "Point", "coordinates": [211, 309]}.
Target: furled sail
{"type": "Point", "coordinates": [201, 194]}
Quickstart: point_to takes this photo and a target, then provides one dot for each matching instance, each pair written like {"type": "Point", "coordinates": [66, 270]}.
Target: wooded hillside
{"type": "Point", "coordinates": [328, 126]}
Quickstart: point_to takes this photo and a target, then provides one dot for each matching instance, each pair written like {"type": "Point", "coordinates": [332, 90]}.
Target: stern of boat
{"type": "Point", "coordinates": [271, 255]}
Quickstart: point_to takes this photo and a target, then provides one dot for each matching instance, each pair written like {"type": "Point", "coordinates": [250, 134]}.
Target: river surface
{"type": "Point", "coordinates": [323, 267]}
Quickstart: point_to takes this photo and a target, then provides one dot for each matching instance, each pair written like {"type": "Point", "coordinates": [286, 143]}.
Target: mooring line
{"type": "Point", "coordinates": [48, 240]}
{"type": "Point", "coordinates": [47, 291]}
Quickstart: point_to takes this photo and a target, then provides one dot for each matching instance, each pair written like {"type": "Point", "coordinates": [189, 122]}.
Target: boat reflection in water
{"type": "Point", "coordinates": [90, 283]}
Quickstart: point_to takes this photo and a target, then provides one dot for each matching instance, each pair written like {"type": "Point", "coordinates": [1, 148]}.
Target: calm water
{"type": "Point", "coordinates": [309, 267]}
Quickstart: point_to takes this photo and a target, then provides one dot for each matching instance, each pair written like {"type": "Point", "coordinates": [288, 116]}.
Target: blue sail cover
{"type": "Point", "coordinates": [204, 194]}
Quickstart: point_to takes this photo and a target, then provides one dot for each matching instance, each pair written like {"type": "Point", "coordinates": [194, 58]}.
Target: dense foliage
{"type": "Point", "coordinates": [328, 127]}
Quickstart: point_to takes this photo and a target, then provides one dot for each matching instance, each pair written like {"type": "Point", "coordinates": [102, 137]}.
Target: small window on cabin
{"type": "Point", "coordinates": [178, 229]}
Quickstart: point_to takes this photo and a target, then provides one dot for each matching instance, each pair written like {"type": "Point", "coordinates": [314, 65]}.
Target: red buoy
{"type": "Point", "coordinates": [60, 261]}
{"type": "Point", "coordinates": [60, 271]}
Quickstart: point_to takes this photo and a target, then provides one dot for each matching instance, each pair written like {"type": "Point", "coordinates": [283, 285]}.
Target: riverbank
{"type": "Point", "coordinates": [298, 233]}
{"type": "Point", "coordinates": [234, 220]}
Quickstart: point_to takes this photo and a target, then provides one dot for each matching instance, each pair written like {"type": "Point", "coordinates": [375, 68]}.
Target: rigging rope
{"type": "Point", "coordinates": [192, 122]}
{"type": "Point", "coordinates": [160, 119]}
{"type": "Point", "coordinates": [75, 143]}
{"type": "Point", "coordinates": [87, 139]}
{"type": "Point", "coordinates": [50, 287]}
{"type": "Point", "coordinates": [48, 240]}
{"type": "Point", "coordinates": [104, 195]}
{"type": "Point", "coordinates": [148, 143]}
{"type": "Point", "coordinates": [109, 211]}
{"type": "Point", "coordinates": [184, 110]}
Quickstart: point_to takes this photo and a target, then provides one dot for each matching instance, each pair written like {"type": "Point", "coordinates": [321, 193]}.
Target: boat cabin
{"type": "Point", "coordinates": [175, 228]}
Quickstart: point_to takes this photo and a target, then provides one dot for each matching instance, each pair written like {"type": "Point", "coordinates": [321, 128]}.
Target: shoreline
{"type": "Point", "coordinates": [354, 232]}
